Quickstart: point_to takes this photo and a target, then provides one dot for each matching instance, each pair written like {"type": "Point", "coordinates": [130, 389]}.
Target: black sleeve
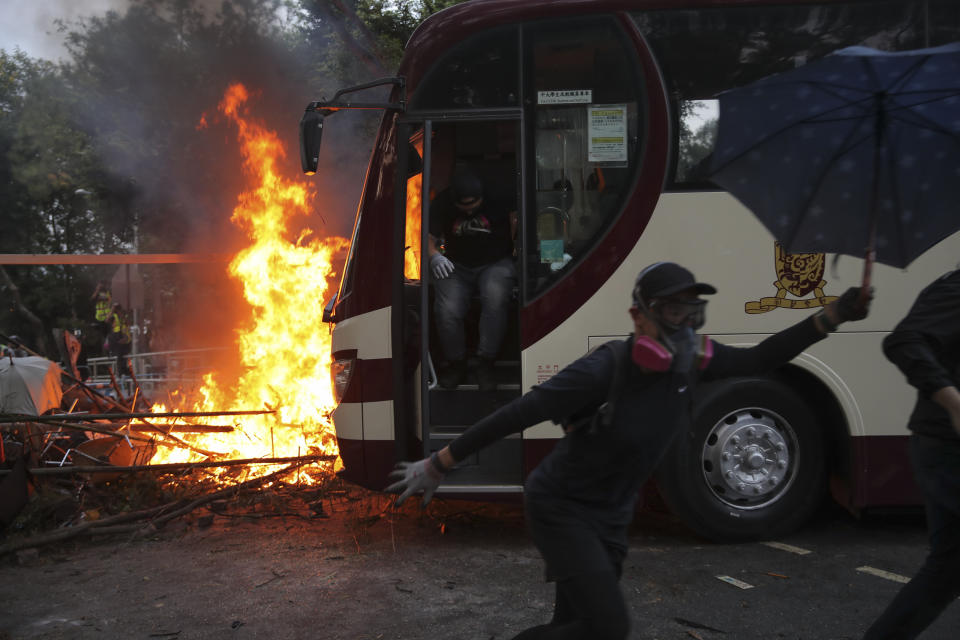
{"type": "Point", "coordinates": [922, 344]}
{"type": "Point", "coordinates": [578, 385]}
{"type": "Point", "coordinates": [772, 352]}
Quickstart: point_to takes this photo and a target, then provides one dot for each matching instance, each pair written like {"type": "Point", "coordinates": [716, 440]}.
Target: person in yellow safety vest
{"type": "Point", "coordinates": [118, 340]}
{"type": "Point", "coordinates": [101, 296]}
{"type": "Point", "coordinates": [103, 301]}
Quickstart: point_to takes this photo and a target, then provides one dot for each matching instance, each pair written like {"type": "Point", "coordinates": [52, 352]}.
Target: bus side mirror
{"type": "Point", "coordinates": [328, 315]}
{"type": "Point", "coordinates": [311, 130]}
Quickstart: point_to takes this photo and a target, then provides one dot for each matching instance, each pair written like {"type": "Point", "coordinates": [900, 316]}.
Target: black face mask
{"type": "Point", "coordinates": [683, 343]}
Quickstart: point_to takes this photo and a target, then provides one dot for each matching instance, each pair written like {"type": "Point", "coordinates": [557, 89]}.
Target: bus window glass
{"type": "Point", "coordinates": [698, 133]}
{"type": "Point", "coordinates": [349, 267]}
{"type": "Point", "coordinates": [582, 83]}
{"type": "Point", "coordinates": [481, 72]}
{"type": "Point", "coordinates": [486, 149]}
{"type": "Point", "coordinates": [704, 52]}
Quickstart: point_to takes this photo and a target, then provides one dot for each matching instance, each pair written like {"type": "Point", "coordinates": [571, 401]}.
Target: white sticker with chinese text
{"type": "Point", "coordinates": [565, 96]}
{"type": "Point", "coordinates": [607, 133]}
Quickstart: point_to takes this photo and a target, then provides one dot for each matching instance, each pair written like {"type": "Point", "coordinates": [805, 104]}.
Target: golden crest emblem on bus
{"type": "Point", "coordinates": [798, 274]}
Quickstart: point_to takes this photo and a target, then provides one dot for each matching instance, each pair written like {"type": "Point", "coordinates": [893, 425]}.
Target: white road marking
{"type": "Point", "coordinates": [787, 547]}
{"type": "Point", "coordinates": [735, 582]}
{"type": "Point", "coordinates": [886, 575]}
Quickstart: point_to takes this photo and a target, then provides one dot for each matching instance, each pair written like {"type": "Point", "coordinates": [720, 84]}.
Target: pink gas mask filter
{"type": "Point", "coordinates": [653, 355]}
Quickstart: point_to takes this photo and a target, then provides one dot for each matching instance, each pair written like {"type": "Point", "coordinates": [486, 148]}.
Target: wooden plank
{"type": "Point", "coordinates": [112, 258]}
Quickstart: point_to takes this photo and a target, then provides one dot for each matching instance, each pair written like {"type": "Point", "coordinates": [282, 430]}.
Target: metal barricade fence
{"type": "Point", "coordinates": [154, 371]}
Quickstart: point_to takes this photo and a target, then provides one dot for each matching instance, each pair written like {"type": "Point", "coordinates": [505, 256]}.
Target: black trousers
{"type": "Point", "coordinates": [936, 465]}
{"type": "Point", "coordinates": [588, 606]}
{"type": "Point", "coordinates": [586, 566]}
{"type": "Point", "coordinates": [119, 350]}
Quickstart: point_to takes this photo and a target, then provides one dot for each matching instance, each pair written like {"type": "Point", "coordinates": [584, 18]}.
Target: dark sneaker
{"type": "Point", "coordinates": [486, 376]}
{"type": "Point", "coordinates": [452, 375]}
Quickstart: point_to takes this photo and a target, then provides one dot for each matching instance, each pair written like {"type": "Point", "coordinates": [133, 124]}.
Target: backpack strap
{"type": "Point", "coordinates": [603, 415]}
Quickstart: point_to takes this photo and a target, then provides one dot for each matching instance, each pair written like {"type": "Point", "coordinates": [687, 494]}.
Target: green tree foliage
{"type": "Point", "coordinates": [50, 181]}
{"type": "Point", "coordinates": [371, 33]}
{"type": "Point", "coordinates": [121, 149]}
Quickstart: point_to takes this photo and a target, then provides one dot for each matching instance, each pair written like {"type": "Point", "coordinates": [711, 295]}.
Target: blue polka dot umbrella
{"type": "Point", "coordinates": [856, 153]}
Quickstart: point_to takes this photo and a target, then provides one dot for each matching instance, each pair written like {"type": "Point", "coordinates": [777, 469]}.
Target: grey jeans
{"type": "Point", "coordinates": [494, 283]}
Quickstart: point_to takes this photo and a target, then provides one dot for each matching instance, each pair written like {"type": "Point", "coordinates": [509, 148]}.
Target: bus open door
{"type": "Point", "coordinates": [488, 148]}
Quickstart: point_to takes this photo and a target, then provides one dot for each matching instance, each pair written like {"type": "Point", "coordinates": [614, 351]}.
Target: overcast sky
{"type": "Point", "coordinates": [30, 24]}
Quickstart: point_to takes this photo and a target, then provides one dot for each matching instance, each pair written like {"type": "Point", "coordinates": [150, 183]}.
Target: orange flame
{"type": "Point", "coordinates": [285, 350]}
{"type": "Point", "coordinates": [411, 237]}
{"type": "Point", "coordinates": [411, 254]}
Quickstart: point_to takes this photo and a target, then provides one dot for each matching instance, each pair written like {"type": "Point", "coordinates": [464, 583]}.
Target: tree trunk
{"type": "Point", "coordinates": [14, 294]}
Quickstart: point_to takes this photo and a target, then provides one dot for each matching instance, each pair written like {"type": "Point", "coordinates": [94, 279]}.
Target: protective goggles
{"type": "Point", "coordinates": [675, 314]}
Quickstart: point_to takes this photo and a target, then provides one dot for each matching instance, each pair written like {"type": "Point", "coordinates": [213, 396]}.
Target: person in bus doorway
{"type": "Point", "coordinates": [925, 346]}
{"type": "Point", "coordinates": [477, 235]}
{"type": "Point", "coordinates": [581, 498]}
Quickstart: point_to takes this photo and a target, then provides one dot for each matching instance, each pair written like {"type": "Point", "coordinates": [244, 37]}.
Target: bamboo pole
{"type": "Point", "coordinates": [107, 432]}
{"type": "Point", "coordinates": [185, 427]}
{"type": "Point", "coordinates": [138, 529]}
{"type": "Point", "coordinates": [72, 532]}
{"type": "Point", "coordinates": [114, 384]}
{"type": "Point", "coordinates": [171, 466]}
{"type": "Point", "coordinates": [129, 415]}
{"type": "Point", "coordinates": [115, 427]}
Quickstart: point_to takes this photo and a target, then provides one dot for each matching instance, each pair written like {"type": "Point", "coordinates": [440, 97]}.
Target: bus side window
{"type": "Point", "coordinates": [480, 72]}
{"type": "Point", "coordinates": [583, 92]}
{"type": "Point", "coordinates": [703, 52]}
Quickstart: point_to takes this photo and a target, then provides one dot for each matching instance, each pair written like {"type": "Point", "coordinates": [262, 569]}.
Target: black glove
{"type": "Point", "coordinates": [852, 305]}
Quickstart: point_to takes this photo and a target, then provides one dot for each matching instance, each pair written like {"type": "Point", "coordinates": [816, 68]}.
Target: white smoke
{"type": "Point", "coordinates": [33, 26]}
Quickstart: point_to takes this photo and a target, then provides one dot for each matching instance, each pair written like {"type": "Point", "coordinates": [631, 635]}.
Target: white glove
{"type": "Point", "coordinates": [440, 266]}
{"type": "Point", "coordinates": [413, 477]}
{"type": "Point", "coordinates": [556, 266]}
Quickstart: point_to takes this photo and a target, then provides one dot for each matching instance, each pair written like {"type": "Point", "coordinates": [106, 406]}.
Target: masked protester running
{"type": "Point", "coordinates": [925, 346]}
{"type": "Point", "coordinates": [581, 499]}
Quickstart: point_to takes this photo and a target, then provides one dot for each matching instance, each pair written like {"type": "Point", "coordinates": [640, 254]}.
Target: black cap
{"type": "Point", "coordinates": [662, 279]}
{"type": "Point", "coordinates": [466, 185]}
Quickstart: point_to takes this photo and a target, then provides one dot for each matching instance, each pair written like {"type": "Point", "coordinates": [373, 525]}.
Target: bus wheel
{"type": "Point", "coordinates": [752, 467]}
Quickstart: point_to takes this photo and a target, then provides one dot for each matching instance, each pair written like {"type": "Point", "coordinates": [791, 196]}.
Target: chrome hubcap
{"type": "Point", "coordinates": [749, 458]}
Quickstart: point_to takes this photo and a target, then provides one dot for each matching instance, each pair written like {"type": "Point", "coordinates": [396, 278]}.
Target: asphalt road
{"type": "Point", "coordinates": [827, 581]}
{"type": "Point", "coordinates": [366, 572]}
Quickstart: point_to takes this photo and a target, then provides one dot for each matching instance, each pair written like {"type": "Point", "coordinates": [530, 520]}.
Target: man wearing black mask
{"type": "Point", "coordinates": [477, 257]}
{"type": "Point", "coordinates": [581, 498]}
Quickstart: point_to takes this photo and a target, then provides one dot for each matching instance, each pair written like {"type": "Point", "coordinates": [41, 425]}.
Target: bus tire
{"type": "Point", "coordinates": [752, 465]}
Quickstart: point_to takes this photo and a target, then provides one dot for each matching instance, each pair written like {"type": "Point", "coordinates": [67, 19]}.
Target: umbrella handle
{"type": "Point", "coordinates": [870, 253]}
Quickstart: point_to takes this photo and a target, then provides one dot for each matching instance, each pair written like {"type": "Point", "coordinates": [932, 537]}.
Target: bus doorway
{"type": "Point", "coordinates": [451, 391]}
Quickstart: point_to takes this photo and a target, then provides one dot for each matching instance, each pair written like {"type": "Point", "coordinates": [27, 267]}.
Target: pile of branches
{"type": "Point", "coordinates": [80, 510]}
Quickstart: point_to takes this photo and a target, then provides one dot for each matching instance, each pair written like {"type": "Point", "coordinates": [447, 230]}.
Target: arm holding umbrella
{"type": "Point", "coordinates": [852, 305]}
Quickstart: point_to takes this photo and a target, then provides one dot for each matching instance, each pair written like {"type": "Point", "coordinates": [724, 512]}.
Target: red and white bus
{"type": "Point", "coordinates": [593, 116]}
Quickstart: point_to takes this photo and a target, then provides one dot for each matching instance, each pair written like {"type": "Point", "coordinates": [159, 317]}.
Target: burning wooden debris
{"type": "Point", "coordinates": [87, 517]}
{"type": "Point", "coordinates": [94, 442]}
{"type": "Point", "coordinates": [77, 459]}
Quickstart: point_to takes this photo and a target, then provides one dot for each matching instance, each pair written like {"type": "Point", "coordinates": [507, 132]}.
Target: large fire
{"type": "Point", "coordinates": [284, 348]}
{"type": "Point", "coordinates": [411, 239]}
{"type": "Point", "coordinates": [411, 254]}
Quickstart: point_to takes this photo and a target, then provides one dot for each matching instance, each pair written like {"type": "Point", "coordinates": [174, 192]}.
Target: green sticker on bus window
{"type": "Point", "coordinates": [551, 251]}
